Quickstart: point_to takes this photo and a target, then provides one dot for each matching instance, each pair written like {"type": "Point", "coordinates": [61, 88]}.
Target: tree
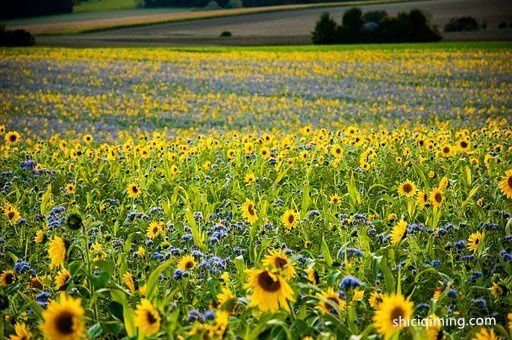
{"type": "Point", "coordinates": [325, 30]}
{"type": "Point", "coordinates": [353, 19]}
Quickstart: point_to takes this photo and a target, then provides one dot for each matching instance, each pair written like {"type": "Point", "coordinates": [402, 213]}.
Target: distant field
{"type": "Point", "coordinates": [104, 5]}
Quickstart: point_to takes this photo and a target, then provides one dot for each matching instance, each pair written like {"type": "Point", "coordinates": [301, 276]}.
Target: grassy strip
{"type": "Point", "coordinates": [103, 5]}
{"type": "Point", "coordinates": [187, 16]}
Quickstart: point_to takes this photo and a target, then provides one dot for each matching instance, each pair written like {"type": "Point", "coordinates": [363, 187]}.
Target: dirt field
{"type": "Point", "coordinates": [290, 27]}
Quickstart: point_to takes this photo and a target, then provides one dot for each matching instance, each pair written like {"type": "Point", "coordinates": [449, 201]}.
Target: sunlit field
{"type": "Point", "coordinates": [256, 193]}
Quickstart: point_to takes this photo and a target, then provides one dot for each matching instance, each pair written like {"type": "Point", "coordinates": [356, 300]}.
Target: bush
{"type": "Point", "coordinates": [325, 30]}
{"type": "Point", "coordinates": [374, 16]}
{"type": "Point", "coordinates": [226, 34]}
{"type": "Point", "coordinates": [461, 24]}
{"type": "Point", "coordinates": [405, 27]}
{"type": "Point", "coordinates": [15, 38]}
{"type": "Point", "coordinates": [235, 4]}
{"type": "Point", "coordinates": [212, 5]}
{"type": "Point", "coordinates": [502, 26]}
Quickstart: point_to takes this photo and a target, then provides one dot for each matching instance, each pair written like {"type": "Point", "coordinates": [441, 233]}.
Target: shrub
{"type": "Point", "coordinates": [16, 38]}
{"type": "Point", "coordinates": [226, 34]}
{"type": "Point", "coordinates": [374, 16]}
{"type": "Point", "coordinates": [502, 26]}
{"type": "Point", "coordinates": [461, 24]}
{"type": "Point", "coordinates": [234, 4]}
{"type": "Point", "coordinates": [325, 30]}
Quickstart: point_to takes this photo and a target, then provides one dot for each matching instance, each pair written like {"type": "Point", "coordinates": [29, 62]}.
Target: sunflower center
{"type": "Point", "coordinates": [397, 314]}
{"type": "Point", "coordinates": [12, 138]}
{"type": "Point", "coordinates": [250, 209]}
{"type": "Point", "coordinates": [267, 283]}
{"type": "Point", "coordinates": [64, 323]}
{"type": "Point", "coordinates": [439, 197]}
{"type": "Point", "coordinates": [407, 188]}
{"type": "Point", "coordinates": [280, 262]}
{"type": "Point", "coordinates": [333, 299]}
{"type": "Point", "coordinates": [155, 230]}
{"type": "Point", "coordinates": [291, 218]}
{"type": "Point", "coordinates": [9, 278]}
{"type": "Point", "coordinates": [446, 150]}
{"type": "Point", "coordinates": [509, 181]}
{"type": "Point", "coordinates": [189, 265]}
{"type": "Point", "coordinates": [151, 318]}
{"type": "Point", "coordinates": [10, 215]}
{"type": "Point", "coordinates": [464, 144]}
{"type": "Point", "coordinates": [135, 190]}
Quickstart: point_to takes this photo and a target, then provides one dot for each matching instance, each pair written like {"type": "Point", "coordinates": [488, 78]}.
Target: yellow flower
{"type": "Point", "coordinates": [269, 290]}
{"type": "Point", "coordinates": [143, 289]}
{"type": "Point", "coordinates": [141, 251]}
{"type": "Point", "coordinates": [133, 190]}
{"type": "Point", "coordinates": [422, 198]}
{"type": "Point", "coordinates": [337, 151]}
{"type": "Point", "coordinates": [392, 314]}
{"type": "Point", "coordinates": [63, 319]}
{"type": "Point", "coordinates": [281, 262]}
{"type": "Point", "coordinates": [12, 214]}
{"type": "Point", "coordinates": [7, 277]}
{"type": "Point", "coordinates": [12, 137]}
{"type": "Point", "coordinates": [328, 299]}
{"type": "Point", "coordinates": [289, 219]}
{"type": "Point", "coordinates": [358, 295]}
{"type": "Point", "coordinates": [436, 197]}
{"type": "Point", "coordinates": [40, 236]}
{"type": "Point", "coordinates": [509, 316]}
{"type": "Point", "coordinates": [375, 299]}
{"type": "Point", "coordinates": [506, 184]}
{"type": "Point", "coordinates": [398, 232]}
{"type": "Point", "coordinates": [249, 211]}
{"type": "Point", "coordinates": [87, 138]}
{"type": "Point", "coordinates": [433, 326]}
{"type": "Point", "coordinates": [187, 262]}
{"type": "Point", "coordinates": [474, 240]}
{"type": "Point", "coordinates": [484, 334]}
{"type": "Point", "coordinates": [22, 332]}
{"type": "Point", "coordinates": [57, 252]}
{"type": "Point", "coordinates": [70, 188]}
{"type": "Point", "coordinates": [227, 300]}
{"type": "Point", "coordinates": [447, 150]}
{"type": "Point", "coordinates": [250, 178]}
{"type": "Point", "coordinates": [335, 199]}
{"type": "Point", "coordinates": [128, 281]}
{"type": "Point", "coordinates": [154, 229]}
{"type": "Point", "coordinates": [147, 318]}
{"type": "Point", "coordinates": [407, 188]}
{"type": "Point", "coordinates": [62, 278]}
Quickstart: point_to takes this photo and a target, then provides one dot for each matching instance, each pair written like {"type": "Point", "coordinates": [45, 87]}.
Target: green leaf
{"type": "Point", "coordinates": [389, 280]}
{"type": "Point", "coordinates": [128, 313]}
{"type": "Point", "coordinates": [326, 253]}
{"type": "Point", "coordinates": [154, 277]}
{"type": "Point", "coordinates": [46, 200]}
{"type": "Point", "coordinates": [95, 331]}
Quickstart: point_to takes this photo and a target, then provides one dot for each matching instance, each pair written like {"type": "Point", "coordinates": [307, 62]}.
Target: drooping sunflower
{"type": "Point", "coordinates": [133, 190]}
{"type": "Point", "coordinates": [328, 299]}
{"type": "Point", "coordinates": [398, 232]}
{"type": "Point", "coordinates": [407, 188]}
{"type": "Point", "coordinates": [40, 236]}
{"type": "Point", "coordinates": [57, 252]}
{"type": "Point", "coordinates": [270, 291]}
{"type": "Point", "coordinates": [7, 277]}
{"type": "Point", "coordinates": [249, 211]}
{"type": "Point", "coordinates": [474, 240]}
{"type": "Point", "coordinates": [506, 184]}
{"type": "Point", "coordinates": [422, 198]}
{"type": "Point", "coordinates": [436, 197]}
{"type": "Point", "coordinates": [21, 332]}
{"type": "Point", "coordinates": [147, 318]}
{"type": "Point", "coordinates": [128, 281]}
{"type": "Point", "coordinates": [187, 262]}
{"type": "Point", "coordinates": [392, 314]}
{"type": "Point", "coordinates": [62, 278]}
{"type": "Point", "coordinates": [289, 219]}
{"type": "Point", "coordinates": [484, 334]}
{"type": "Point", "coordinates": [281, 262]}
{"type": "Point", "coordinates": [12, 137]}
{"type": "Point", "coordinates": [63, 319]}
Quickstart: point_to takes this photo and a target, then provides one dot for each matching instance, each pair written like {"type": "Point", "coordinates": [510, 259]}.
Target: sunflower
{"type": "Point", "coordinates": [147, 318]}
{"type": "Point", "coordinates": [498, 289]}
{"type": "Point", "coordinates": [335, 199]}
{"type": "Point", "coordinates": [62, 278]}
{"type": "Point", "coordinates": [249, 211]}
{"type": "Point", "coordinates": [506, 184]}
{"type": "Point", "coordinates": [40, 236]}
{"type": "Point", "coordinates": [87, 138]}
{"type": "Point", "coordinates": [484, 334]}
{"type": "Point", "coordinates": [422, 198]}
{"type": "Point", "coordinates": [12, 137]}
{"type": "Point", "coordinates": [289, 219]}
{"type": "Point", "coordinates": [269, 290]}
{"type": "Point", "coordinates": [433, 327]}
{"type": "Point", "coordinates": [21, 331]}
{"type": "Point", "coordinates": [447, 150]}
{"type": "Point", "coordinates": [57, 252]}
{"type": "Point", "coordinates": [128, 281]}
{"type": "Point", "coordinates": [7, 277]}
{"type": "Point", "coordinates": [328, 300]}
{"type": "Point", "coordinates": [313, 276]}
{"type": "Point", "coordinates": [392, 314]}
{"type": "Point", "coordinates": [187, 262]}
{"type": "Point", "coordinates": [407, 188]}
{"type": "Point", "coordinates": [281, 262]}
{"type": "Point", "coordinates": [70, 188]}
{"type": "Point", "coordinates": [474, 240]}
{"type": "Point", "coordinates": [250, 178]}
{"type": "Point", "coordinates": [63, 319]}
{"type": "Point", "coordinates": [227, 300]}
{"type": "Point", "coordinates": [12, 214]}
{"type": "Point", "coordinates": [133, 190]}
{"type": "Point", "coordinates": [154, 229]}
{"type": "Point", "coordinates": [464, 145]}
{"type": "Point", "coordinates": [398, 232]}
{"type": "Point", "coordinates": [436, 197]}
{"type": "Point", "coordinates": [337, 151]}
{"type": "Point", "coordinates": [509, 317]}
{"type": "Point", "coordinates": [375, 299]}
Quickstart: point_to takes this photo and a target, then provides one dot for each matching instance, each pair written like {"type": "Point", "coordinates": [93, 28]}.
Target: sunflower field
{"type": "Point", "coordinates": [256, 193]}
